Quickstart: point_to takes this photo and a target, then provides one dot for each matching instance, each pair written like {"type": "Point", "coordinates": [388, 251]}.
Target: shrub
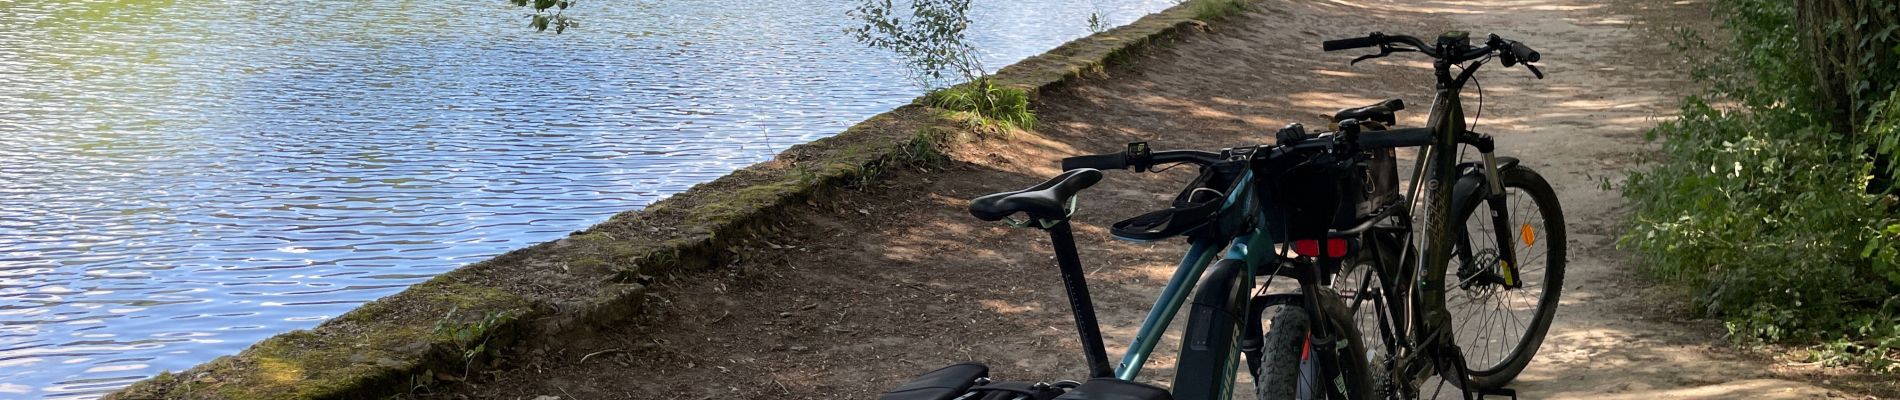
{"type": "Point", "coordinates": [1764, 208]}
{"type": "Point", "coordinates": [931, 39]}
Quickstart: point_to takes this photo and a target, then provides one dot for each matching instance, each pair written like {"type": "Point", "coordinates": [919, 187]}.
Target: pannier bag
{"type": "Point", "coordinates": [970, 381]}
{"type": "Point", "coordinates": [1332, 192]}
{"type": "Point", "coordinates": [1381, 171]}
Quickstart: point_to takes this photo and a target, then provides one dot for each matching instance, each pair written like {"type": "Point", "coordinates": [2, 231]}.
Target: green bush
{"type": "Point", "coordinates": [1765, 209]}
{"type": "Point", "coordinates": [931, 39]}
{"type": "Point", "coordinates": [1003, 105]}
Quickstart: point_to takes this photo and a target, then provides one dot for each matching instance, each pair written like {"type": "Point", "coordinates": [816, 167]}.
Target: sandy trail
{"type": "Point", "coordinates": [882, 284]}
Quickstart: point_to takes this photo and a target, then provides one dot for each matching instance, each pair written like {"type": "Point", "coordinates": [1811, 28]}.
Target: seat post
{"type": "Point", "coordinates": [1070, 262]}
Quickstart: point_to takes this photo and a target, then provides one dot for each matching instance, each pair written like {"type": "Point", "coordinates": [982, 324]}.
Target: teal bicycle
{"type": "Point", "coordinates": [1369, 317]}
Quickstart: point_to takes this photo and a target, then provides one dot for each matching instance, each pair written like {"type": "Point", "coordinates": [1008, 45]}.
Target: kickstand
{"type": "Point", "coordinates": [1464, 379]}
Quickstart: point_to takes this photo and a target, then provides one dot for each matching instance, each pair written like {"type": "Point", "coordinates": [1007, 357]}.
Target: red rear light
{"type": "Point", "coordinates": [1310, 248]}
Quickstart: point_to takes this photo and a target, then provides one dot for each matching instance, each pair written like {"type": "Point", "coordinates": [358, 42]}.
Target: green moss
{"type": "Point", "coordinates": [368, 348]}
{"type": "Point", "coordinates": [743, 203]}
{"type": "Point", "coordinates": [592, 237]}
{"type": "Point", "coordinates": [1123, 55]}
{"type": "Point", "coordinates": [599, 251]}
{"type": "Point", "coordinates": [1214, 10]}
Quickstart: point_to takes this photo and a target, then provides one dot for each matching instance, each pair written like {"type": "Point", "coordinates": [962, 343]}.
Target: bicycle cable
{"type": "Point", "coordinates": [1473, 126]}
{"type": "Point", "coordinates": [1166, 167]}
{"type": "Point", "coordinates": [1480, 113]}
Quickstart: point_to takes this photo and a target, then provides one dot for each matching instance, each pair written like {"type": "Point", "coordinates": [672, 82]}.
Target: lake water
{"type": "Point", "coordinates": [180, 179]}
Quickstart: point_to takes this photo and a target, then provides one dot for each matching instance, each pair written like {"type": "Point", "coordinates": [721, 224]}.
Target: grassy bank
{"type": "Point", "coordinates": [1772, 201]}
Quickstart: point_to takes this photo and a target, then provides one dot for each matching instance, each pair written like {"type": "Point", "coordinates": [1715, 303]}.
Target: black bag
{"type": "Point", "coordinates": [1313, 195]}
{"type": "Point", "coordinates": [970, 381]}
{"type": "Point", "coordinates": [1013, 391]}
{"type": "Point", "coordinates": [1381, 175]}
{"type": "Point", "coordinates": [943, 384]}
{"type": "Point", "coordinates": [1116, 389]}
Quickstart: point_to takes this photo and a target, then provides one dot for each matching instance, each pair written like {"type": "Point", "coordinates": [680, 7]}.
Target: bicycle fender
{"type": "Point", "coordinates": [1471, 181]}
{"type": "Point", "coordinates": [1213, 331]}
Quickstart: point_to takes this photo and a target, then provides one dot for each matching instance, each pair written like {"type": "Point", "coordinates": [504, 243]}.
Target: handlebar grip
{"type": "Point", "coordinates": [1523, 53]}
{"type": "Point", "coordinates": [1353, 43]}
{"type": "Point", "coordinates": [1096, 161]}
{"type": "Point", "coordinates": [1403, 137]}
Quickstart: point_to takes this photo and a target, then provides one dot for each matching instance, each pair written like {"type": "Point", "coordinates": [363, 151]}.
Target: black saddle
{"type": "Point", "coordinates": [1381, 112]}
{"type": "Point", "coordinates": [1046, 201]}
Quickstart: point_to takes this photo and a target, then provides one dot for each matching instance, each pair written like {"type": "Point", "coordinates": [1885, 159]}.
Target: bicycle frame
{"type": "Point", "coordinates": [1427, 331]}
{"type": "Point", "coordinates": [1437, 168]}
{"type": "Point", "coordinates": [1251, 249]}
{"type": "Point", "coordinates": [1241, 205]}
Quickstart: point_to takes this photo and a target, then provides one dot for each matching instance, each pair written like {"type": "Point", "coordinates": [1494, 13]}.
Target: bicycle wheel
{"type": "Point", "coordinates": [1500, 328]}
{"type": "Point", "coordinates": [1287, 369]}
{"type": "Point", "coordinates": [1361, 285]}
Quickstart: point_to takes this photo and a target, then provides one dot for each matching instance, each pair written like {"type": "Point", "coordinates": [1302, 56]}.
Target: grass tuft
{"type": "Point", "coordinates": [1212, 10]}
{"type": "Point", "coordinates": [1001, 105]}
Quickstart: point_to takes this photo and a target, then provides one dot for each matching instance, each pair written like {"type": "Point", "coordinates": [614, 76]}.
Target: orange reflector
{"type": "Point", "coordinates": [1529, 235]}
{"type": "Point", "coordinates": [1310, 247]}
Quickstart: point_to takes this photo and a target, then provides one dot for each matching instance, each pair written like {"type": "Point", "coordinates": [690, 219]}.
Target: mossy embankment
{"type": "Point", "coordinates": [446, 327]}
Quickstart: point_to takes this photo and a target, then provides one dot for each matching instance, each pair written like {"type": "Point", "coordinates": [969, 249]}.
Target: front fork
{"type": "Point", "coordinates": [1493, 194]}
{"type": "Point", "coordinates": [1501, 222]}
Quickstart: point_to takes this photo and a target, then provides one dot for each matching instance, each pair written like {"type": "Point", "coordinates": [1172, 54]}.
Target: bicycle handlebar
{"type": "Point", "coordinates": [1513, 52]}
{"type": "Point", "coordinates": [1121, 160]}
{"type": "Point", "coordinates": [1395, 138]}
{"type": "Point", "coordinates": [1376, 39]}
{"type": "Point", "coordinates": [1352, 43]}
{"type": "Point", "coordinates": [1111, 161]}
{"type": "Point", "coordinates": [1523, 53]}
{"type": "Point", "coordinates": [1370, 140]}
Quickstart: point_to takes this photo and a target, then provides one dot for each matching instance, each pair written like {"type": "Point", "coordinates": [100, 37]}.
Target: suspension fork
{"type": "Point", "coordinates": [1500, 212]}
{"type": "Point", "coordinates": [1501, 223]}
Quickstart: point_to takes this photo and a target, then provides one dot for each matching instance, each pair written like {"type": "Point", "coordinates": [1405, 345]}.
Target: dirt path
{"type": "Point", "coordinates": [897, 279]}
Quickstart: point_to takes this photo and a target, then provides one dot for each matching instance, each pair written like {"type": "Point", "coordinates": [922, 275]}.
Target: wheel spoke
{"type": "Point", "coordinates": [1487, 316]}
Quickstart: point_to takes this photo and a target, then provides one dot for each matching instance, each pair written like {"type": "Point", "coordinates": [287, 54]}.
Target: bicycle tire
{"type": "Point", "coordinates": [1285, 343]}
{"type": "Point", "coordinates": [1533, 187]}
{"type": "Point", "coordinates": [1366, 308]}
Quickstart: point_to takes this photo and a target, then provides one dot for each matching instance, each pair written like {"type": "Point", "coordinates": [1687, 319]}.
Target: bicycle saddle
{"type": "Point", "coordinates": [1047, 200]}
{"type": "Point", "coordinates": [1382, 112]}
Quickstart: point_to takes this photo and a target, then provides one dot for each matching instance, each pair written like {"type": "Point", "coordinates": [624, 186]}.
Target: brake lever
{"type": "Point", "coordinates": [1356, 61]}
{"type": "Point", "coordinates": [1534, 70]}
{"type": "Point", "coordinates": [1384, 50]}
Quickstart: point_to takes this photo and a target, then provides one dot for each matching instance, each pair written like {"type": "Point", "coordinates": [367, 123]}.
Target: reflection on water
{"type": "Point", "coordinates": [181, 179]}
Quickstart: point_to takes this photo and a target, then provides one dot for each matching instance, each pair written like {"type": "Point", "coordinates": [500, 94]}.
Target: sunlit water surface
{"type": "Point", "coordinates": [181, 179]}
